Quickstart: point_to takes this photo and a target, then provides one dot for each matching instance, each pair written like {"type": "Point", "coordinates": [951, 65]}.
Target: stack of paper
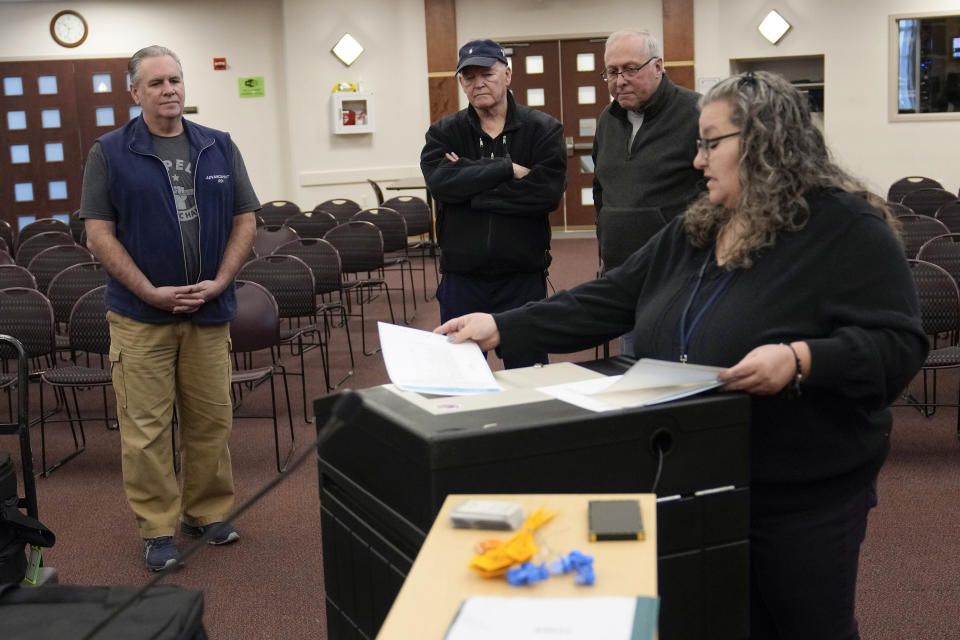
{"type": "Point", "coordinates": [588, 618]}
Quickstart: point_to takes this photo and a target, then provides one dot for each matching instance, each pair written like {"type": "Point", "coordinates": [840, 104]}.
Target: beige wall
{"type": "Point", "coordinates": [222, 28]}
{"type": "Point", "coordinates": [852, 37]}
{"type": "Point", "coordinates": [287, 138]}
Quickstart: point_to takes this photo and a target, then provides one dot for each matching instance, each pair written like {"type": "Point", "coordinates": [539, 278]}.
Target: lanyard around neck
{"type": "Point", "coordinates": [686, 332]}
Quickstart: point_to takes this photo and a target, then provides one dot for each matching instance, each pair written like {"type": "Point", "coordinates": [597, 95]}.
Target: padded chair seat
{"type": "Point", "coordinates": [75, 376]}
{"type": "Point", "coordinates": [945, 357]}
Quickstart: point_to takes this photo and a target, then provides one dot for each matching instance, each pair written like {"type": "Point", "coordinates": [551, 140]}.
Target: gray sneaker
{"type": "Point", "coordinates": [224, 532]}
{"type": "Point", "coordinates": [160, 553]}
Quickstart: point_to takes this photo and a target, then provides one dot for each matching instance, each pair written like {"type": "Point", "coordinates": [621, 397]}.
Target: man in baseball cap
{"type": "Point", "coordinates": [496, 169]}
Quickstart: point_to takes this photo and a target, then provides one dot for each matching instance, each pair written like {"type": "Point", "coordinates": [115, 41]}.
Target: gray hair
{"type": "Point", "coordinates": [782, 156]}
{"type": "Point", "coordinates": [650, 43]}
{"type": "Point", "coordinates": [153, 51]}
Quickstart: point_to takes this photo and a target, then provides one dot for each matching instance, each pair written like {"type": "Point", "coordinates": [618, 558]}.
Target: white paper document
{"type": "Point", "coordinates": [522, 618]}
{"type": "Point", "coordinates": [426, 362]}
{"type": "Point", "coordinates": [647, 382]}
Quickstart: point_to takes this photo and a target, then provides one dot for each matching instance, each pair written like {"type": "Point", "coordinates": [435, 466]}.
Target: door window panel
{"type": "Point", "coordinates": [57, 190]}
{"type": "Point", "coordinates": [101, 83]}
{"type": "Point", "coordinates": [586, 95]}
{"type": "Point", "coordinates": [16, 120]}
{"type": "Point", "coordinates": [23, 192]}
{"type": "Point", "coordinates": [53, 151]}
{"type": "Point", "coordinates": [586, 62]}
{"type": "Point", "coordinates": [534, 64]}
{"type": "Point", "coordinates": [50, 118]}
{"type": "Point", "coordinates": [588, 126]}
{"type": "Point", "coordinates": [105, 117]}
{"type": "Point", "coordinates": [13, 86]}
{"type": "Point", "coordinates": [535, 98]}
{"type": "Point", "coordinates": [47, 85]}
{"type": "Point", "coordinates": [19, 153]}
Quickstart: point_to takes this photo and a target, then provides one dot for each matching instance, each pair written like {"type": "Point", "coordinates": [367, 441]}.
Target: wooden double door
{"type": "Point", "coordinates": [53, 110]}
{"type": "Point", "coordinates": [562, 78]}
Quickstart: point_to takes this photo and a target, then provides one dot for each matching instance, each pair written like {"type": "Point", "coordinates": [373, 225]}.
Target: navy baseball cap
{"type": "Point", "coordinates": [480, 53]}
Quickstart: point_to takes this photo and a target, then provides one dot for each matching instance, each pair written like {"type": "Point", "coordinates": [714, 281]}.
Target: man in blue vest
{"type": "Point", "coordinates": [169, 211]}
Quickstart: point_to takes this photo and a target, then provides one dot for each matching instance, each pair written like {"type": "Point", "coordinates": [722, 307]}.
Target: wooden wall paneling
{"type": "Point", "coordinates": [441, 32]}
{"type": "Point", "coordinates": [678, 41]}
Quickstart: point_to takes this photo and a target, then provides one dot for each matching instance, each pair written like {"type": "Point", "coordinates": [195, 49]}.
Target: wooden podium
{"type": "Point", "coordinates": [439, 580]}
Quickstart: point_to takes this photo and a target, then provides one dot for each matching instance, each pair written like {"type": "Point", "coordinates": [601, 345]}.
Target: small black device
{"type": "Point", "coordinates": [615, 520]}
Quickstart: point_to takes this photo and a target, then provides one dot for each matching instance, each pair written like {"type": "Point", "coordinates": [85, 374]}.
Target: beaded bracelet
{"type": "Point", "coordinates": [793, 389]}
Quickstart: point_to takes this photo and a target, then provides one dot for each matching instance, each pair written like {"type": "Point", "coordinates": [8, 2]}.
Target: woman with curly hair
{"type": "Point", "coordinates": [787, 273]}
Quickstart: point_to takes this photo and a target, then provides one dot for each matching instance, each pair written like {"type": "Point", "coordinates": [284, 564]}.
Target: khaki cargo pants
{"type": "Point", "coordinates": [155, 365]}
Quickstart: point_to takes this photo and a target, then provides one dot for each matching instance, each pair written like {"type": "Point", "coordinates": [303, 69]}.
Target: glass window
{"type": "Point", "coordinates": [586, 95]}
{"type": "Point", "coordinates": [588, 126]}
{"type": "Point", "coordinates": [586, 164]}
{"type": "Point", "coordinates": [16, 120]}
{"type": "Point", "coordinates": [53, 151]}
{"type": "Point", "coordinates": [585, 62]}
{"type": "Point", "coordinates": [586, 196]}
{"type": "Point", "coordinates": [23, 192]}
{"type": "Point", "coordinates": [924, 77]}
{"type": "Point", "coordinates": [510, 62]}
{"type": "Point", "coordinates": [534, 64]}
{"type": "Point", "coordinates": [13, 86]}
{"type": "Point", "coordinates": [105, 117]}
{"type": "Point", "coordinates": [51, 118]}
{"type": "Point", "coordinates": [57, 189]}
{"type": "Point", "coordinates": [135, 111]}
{"type": "Point", "coordinates": [535, 98]}
{"type": "Point", "coordinates": [19, 153]}
{"type": "Point", "coordinates": [23, 221]}
{"type": "Point", "coordinates": [127, 82]}
{"type": "Point", "coordinates": [47, 85]}
{"type": "Point", "coordinates": [62, 217]}
{"type": "Point", "coordinates": [102, 83]}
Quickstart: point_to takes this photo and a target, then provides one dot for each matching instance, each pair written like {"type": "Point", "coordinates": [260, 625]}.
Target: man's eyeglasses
{"type": "Point", "coordinates": [628, 72]}
{"type": "Point", "coordinates": [705, 144]}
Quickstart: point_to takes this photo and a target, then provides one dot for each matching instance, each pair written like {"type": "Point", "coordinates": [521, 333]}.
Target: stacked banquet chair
{"type": "Point", "coordinates": [290, 281]}
{"type": "Point", "coordinates": [342, 209]}
{"type": "Point", "coordinates": [917, 229]}
{"type": "Point", "coordinates": [949, 214]}
{"type": "Point", "coordinates": [269, 237]}
{"type": "Point", "coordinates": [42, 225]}
{"type": "Point", "coordinates": [360, 246]}
{"type": "Point", "coordinates": [30, 246]}
{"type": "Point", "coordinates": [903, 186]}
{"type": "Point", "coordinates": [88, 332]}
{"type": "Point", "coordinates": [940, 313]}
{"type": "Point", "coordinates": [66, 288]}
{"type": "Point", "coordinates": [416, 213]}
{"type": "Point", "coordinates": [311, 224]}
{"type": "Point", "coordinates": [26, 314]}
{"type": "Point", "coordinates": [927, 202]}
{"type": "Point", "coordinates": [52, 260]}
{"type": "Point", "coordinates": [276, 212]}
{"type": "Point", "coordinates": [256, 332]}
{"type": "Point", "coordinates": [393, 230]}
{"type": "Point", "coordinates": [324, 261]}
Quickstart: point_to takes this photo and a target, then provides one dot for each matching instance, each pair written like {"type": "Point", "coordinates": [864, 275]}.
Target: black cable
{"type": "Point", "coordinates": [656, 478]}
{"type": "Point", "coordinates": [340, 414]}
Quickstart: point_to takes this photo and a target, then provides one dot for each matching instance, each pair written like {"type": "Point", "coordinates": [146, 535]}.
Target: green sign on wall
{"type": "Point", "coordinates": [250, 87]}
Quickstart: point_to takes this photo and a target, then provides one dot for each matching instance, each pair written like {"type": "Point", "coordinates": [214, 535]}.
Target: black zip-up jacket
{"type": "Point", "coordinates": [490, 223]}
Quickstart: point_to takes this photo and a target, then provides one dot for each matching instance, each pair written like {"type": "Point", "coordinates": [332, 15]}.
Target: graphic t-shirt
{"type": "Point", "coordinates": [175, 153]}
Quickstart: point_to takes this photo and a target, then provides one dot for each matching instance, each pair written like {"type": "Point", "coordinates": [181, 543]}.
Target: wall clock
{"type": "Point", "coordinates": [68, 28]}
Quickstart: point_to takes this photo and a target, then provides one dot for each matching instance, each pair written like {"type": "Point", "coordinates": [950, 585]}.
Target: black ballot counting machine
{"type": "Point", "coordinates": [385, 475]}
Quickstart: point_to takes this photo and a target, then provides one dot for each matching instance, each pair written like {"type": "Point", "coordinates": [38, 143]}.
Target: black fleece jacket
{"type": "Point", "coordinates": [637, 190]}
{"type": "Point", "coordinates": [840, 283]}
{"type": "Point", "coordinates": [490, 223]}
